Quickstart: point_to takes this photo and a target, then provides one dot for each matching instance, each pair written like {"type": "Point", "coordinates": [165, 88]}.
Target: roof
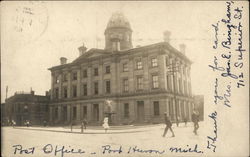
{"type": "Point", "coordinates": [96, 53]}
{"type": "Point", "coordinates": [27, 98]}
{"type": "Point", "coordinates": [118, 20]}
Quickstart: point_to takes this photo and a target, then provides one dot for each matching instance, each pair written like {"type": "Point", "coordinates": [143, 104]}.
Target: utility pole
{"type": "Point", "coordinates": [173, 68]}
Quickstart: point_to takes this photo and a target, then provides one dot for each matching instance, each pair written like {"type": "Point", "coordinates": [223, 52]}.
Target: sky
{"type": "Point", "coordinates": [34, 35]}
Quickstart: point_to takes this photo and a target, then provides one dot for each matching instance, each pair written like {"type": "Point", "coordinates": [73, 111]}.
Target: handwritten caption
{"type": "Point", "coordinates": [56, 150]}
{"type": "Point", "coordinates": [228, 62]}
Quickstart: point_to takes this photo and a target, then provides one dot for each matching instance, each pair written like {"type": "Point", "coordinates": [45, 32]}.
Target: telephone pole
{"type": "Point", "coordinates": [174, 68]}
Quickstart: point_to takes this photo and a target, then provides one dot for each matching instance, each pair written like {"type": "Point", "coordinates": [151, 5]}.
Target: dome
{"type": "Point", "coordinates": [118, 20]}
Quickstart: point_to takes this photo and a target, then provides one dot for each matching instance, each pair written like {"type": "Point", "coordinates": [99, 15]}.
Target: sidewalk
{"type": "Point", "coordinates": [99, 129]}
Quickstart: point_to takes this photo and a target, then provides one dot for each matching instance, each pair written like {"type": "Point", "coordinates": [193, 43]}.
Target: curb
{"type": "Point", "coordinates": [122, 132]}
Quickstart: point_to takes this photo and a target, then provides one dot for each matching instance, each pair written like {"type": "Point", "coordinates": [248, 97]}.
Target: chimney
{"type": "Point", "coordinates": [32, 92]}
{"type": "Point", "coordinates": [166, 36]}
{"type": "Point", "coordinates": [82, 49]}
{"type": "Point", "coordinates": [183, 48]}
{"type": "Point", "coordinates": [63, 60]}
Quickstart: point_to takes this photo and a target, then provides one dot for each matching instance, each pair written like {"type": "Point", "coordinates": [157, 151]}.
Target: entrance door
{"type": "Point", "coordinates": [96, 112]}
{"type": "Point", "coordinates": [140, 111]}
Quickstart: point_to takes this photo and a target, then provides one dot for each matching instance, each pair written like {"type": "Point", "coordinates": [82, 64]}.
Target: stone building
{"type": "Point", "coordinates": [199, 105]}
{"type": "Point", "coordinates": [126, 84]}
{"type": "Point", "coordinates": [26, 106]}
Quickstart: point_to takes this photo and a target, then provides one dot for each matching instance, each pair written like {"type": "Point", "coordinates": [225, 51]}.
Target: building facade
{"type": "Point", "coordinates": [128, 85]}
{"type": "Point", "coordinates": [23, 107]}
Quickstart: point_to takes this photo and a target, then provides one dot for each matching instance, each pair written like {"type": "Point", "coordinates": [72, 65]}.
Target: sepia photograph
{"type": "Point", "coordinates": [124, 78]}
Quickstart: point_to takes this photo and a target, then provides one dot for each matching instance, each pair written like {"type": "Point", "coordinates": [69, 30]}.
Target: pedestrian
{"type": "Point", "coordinates": [85, 122]}
{"type": "Point", "coordinates": [105, 124]}
{"type": "Point", "coordinates": [13, 123]}
{"type": "Point", "coordinates": [168, 125]}
{"type": "Point", "coordinates": [177, 121]}
{"type": "Point", "coordinates": [195, 119]}
{"type": "Point", "coordinates": [185, 121]}
{"type": "Point", "coordinates": [27, 123]}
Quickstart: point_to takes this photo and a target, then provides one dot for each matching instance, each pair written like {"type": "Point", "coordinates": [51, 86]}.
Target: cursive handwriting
{"type": "Point", "coordinates": [185, 150]}
{"type": "Point", "coordinates": [216, 96]}
{"type": "Point", "coordinates": [50, 149]}
{"type": "Point", "coordinates": [136, 149]}
{"type": "Point", "coordinates": [18, 149]}
{"type": "Point", "coordinates": [216, 28]}
{"type": "Point", "coordinates": [211, 140]}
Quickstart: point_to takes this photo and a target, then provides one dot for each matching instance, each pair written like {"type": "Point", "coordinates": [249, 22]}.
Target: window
{"type": "Point", "coordinates": [154, 62]}
{"type": "Point", "coordinates": [138, 64]}
{"type": "Point", "coordinates": [108, 86]}
{"type": "Point", "coordinates": [156, 108]}
{"type": "Point", "coordinates": [74, 75]}
{"type": "Point", "coordinates": [155, 81]}
{"type": "Point", "coordinates": [125, 85]}
{"type": "Point", "coordinates": [65, 78]}
{"type": "Point", "coordinates": [85, 90]}
{"type": "Point", "coordinates": [107, 69]}
{"type": "Point", "coordinates": [57, 80]}
{"type": "Point", "coordinates": [126, 110]}
{"type": "Point", "coordinates": [85, 73]}
{"type": "Point", "coordinates": [84, 111]}
{"type": "Point", "coordinates": [56, 93]}
{"type": "Point", "coordinates": [96, 88]}
{"type": "Point", "coordinates": [139, 83]}
{"type": "Point", "coordinates": [65, 92]}
{"type": "Point", "coordinates": [125, 67]}
{"type": "Point", "coordinates": [95, 71]}
{"type": "Point", "coordinates": [74, 91]}
{"type": "Point", "coordinates": [74, 113]}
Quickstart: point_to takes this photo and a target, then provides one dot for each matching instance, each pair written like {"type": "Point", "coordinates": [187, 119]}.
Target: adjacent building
{"type": "Point", "coordinates": [126, 84]}
{"type": "Point", "coordinates": [22, 107]}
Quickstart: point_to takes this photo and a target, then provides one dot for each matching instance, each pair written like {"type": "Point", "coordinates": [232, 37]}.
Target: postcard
{"type": "Point", "coordinates": [124, 78]}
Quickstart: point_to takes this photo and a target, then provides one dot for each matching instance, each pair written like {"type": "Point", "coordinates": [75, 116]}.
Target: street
{"type": "Point", "coordinates": [140, 141]}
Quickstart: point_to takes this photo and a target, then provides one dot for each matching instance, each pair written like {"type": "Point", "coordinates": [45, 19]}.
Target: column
{"type": "Point", "coordinates": [78, 82]}
{"type": "Point", "coordinates": [101, 82]}
{"type": "Point", "coordinates": [78, 112]}
{"type": "Point", "coordinates": [69, 84]}
{"type": "Point", "coordinates": [147, 109]}
{"type": "Point", "coordinates": [60, 85]}
{"type": "Point", "coordinates": [89, 111]}
{"type": "Point", "coordinates": [90, 83]}
{"type": "Point", "coordinates": [59, 112]}
{"type": "Point", "coordinates": [114, 76]}
{"type": "Point", "coordinates": [162, 72]}
{"type": "Point", "coordinates": [147, 76]}
{"type": "Point", "coordinates": [131, 78]}
{"type": "Point", "coordinates": [101, 111]}
{"type": "Point", "coordinates": [68, 112]}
